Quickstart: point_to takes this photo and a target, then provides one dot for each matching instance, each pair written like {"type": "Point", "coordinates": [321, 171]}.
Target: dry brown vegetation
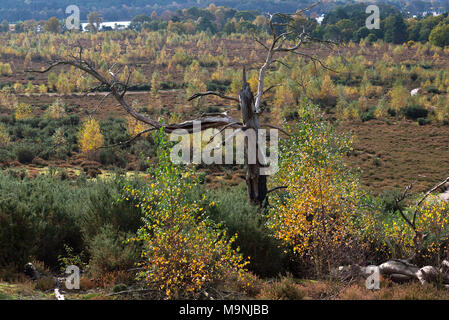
{"type": "Point", "coordinates": [390, 152]}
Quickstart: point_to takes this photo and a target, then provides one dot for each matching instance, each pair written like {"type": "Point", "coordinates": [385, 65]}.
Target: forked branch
{"type": "Point", "coordinates": [211, 93]}
{"type": "Point", "coordinates": [118, 90]}
{"type": "Point", "coordinates": [277, 45]}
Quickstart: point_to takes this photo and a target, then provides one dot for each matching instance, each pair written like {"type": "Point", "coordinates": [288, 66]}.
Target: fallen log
{"type": "Point", "coordinates": [399, 271]}
{"type": "Point", "coordinates": [398, 267]}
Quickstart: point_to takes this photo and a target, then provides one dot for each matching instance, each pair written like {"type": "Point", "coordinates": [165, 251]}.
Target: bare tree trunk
{"type": "Point", "coordinates": [256, 183]}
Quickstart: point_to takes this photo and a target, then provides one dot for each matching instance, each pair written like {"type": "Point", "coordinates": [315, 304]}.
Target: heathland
{"type": "Point", "coordinates": [80, 184]}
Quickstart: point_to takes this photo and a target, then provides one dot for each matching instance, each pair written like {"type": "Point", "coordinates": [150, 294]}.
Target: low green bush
{"type": "Point", "coordinates": [239, 217]}
{"type": "Point", "coordinates": [110, 252]}
{"type": "Point", "coordinates": [40, 217]}
{"type": "Point", "coordinates": [25, 155]}
{"type": "Point", "coordinates": [415, 112]}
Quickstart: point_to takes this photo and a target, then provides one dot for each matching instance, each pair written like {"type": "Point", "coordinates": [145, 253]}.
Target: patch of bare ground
{"type": "Point", "coordinates": [393, 155]}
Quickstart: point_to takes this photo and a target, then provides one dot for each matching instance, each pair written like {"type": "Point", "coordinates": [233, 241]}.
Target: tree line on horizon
{"type": "Point", "coordinates": [343, 23]}
{"type": "Point", "coordinates": [120, 10]}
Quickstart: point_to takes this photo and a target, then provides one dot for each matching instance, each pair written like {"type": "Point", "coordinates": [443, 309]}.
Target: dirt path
{"type": "Point", "coordinates": [80, 94]}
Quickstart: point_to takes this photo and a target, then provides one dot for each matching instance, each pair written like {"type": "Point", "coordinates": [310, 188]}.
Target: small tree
{"type": "Point", "coordinates": [316, 211]}
{"type": "Point", "coordinates": [52, 25]}
{"type": "Point", "coordinates": [183, 251]}
{"type": "Point", "coordinates": [4, 136]}
{"type": "Point", "coordinates": [94, 18]}
{"type": "Point", "coordinates": [23, 111]}
{"type": "Point", "coordinates": [155, 84]}
{"type": "Point", "coordinates": [90, 137]}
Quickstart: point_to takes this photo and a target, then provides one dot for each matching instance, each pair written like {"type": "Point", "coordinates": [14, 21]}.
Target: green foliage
{"type": "Point", "coordinates": [103, 210]}
{"type": "Point", "coordinates": [110, 252]}
{"type": "Point", "coordinates": [316, 214]}
{"type": "Point", "coordinates": [183, 250]}
{"type": "Point", "coordinates": [25, 155]}
{"type": "Point", "coordinates": [70, 258]}
{"type": "Point", "coordinates": [440, 35]}
{"type": "Point", "coordinates": [40, 217]}
{"type": "Point", "coordinates": [414, 112]}
{"type": "Point", "coordinates": [395, 29]}
{"type": "Point", "coordinates": [233, 211]}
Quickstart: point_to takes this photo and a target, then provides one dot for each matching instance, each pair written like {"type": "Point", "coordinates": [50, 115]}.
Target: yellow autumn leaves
{"type": "Point", "coordinates": [90, 137]}
{"type": "Point", "coordinates": [183, 251]}
{"type": "Point", "coordinates": [315, 216]}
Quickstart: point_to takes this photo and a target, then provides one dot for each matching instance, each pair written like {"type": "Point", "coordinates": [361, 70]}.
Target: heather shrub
{"type": "Point", "coordinates": [284, 288]}
{"type": "Point", "coordinates": [40, 217]}
{"type": "Point", "coordinates": [110, 252]}
{"type": "Point", "coordinates": [233, 211]}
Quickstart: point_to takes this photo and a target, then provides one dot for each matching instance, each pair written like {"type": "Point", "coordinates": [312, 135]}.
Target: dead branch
{"type": "Point", "coordinates": [277, 46]}
{"type": "Point", "coordinates": [270, 88]}
{"type": "Point", "coordinates": [276, 127]}
{"type": "Point", "coordinates": [114, 85]}
{"type": "Point", "coordinates": [214, 93]}
{"type": "Point", "coordinates": [234, 124]}
{"type": "Point", "coordinates": [277, 188]}
{"type": "Point", "coordinates": [101, 102]}
{"type": "Point", "coordinates": [428, 193]}
{"type": "Point", "coordinates": [123, 143]}
{"type": "Point", "coordinates": [419, 237]}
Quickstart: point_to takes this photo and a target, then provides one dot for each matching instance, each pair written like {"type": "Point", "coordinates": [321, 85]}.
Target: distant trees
{"type": "Point", "coordinates": [212, 19]}
{"type": "Point", "coordinates": [52, 25]}
{"type": "Point", "coordinates": [139, 21]}
{"type": "Point", "coordinates": [440, 35]}
{"type": "Point", "coordinates": [348, 22]}
{"type": "Point", "coordinates": [4, 26]}
{"type": "Point", "coordinates": [345, 23]}
{"type": "Point", "coordinates": [395, 29]}
{"type": "Point", "coordinates": [95, 19]}
{"type": "Point", "coordinates": [420, 29]}
{"type": "Point", "coordinates": [19, 27]}
{"type": "Point", "coordinates": [342, 23]}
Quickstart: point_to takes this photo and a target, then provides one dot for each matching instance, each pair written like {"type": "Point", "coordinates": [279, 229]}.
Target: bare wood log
{"type": "Point", "coordinates": [398, 267]}
{"type": "Point", "coordinates": [58, 295]}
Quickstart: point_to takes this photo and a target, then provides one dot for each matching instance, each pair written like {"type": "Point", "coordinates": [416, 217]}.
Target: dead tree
{"type": "Point", "coordinates": [250, 104]}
